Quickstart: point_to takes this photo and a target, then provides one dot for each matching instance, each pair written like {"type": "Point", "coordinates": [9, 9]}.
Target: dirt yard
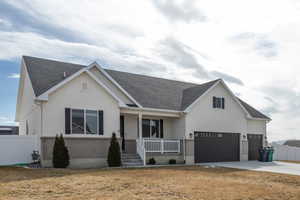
{"type": "Point", "coordinates": [155, 183]}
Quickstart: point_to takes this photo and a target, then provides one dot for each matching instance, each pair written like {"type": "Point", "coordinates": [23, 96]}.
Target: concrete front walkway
{"type": "Point", "coordinates": [276, 166]}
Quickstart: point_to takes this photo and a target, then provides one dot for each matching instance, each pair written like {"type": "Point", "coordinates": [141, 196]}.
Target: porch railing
{"type": "Point", "coordinates": [162, 146]}
{"type": "Point", "coordinates": [141, 150]}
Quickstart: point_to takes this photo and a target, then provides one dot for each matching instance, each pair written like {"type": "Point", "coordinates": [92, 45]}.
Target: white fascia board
{"type": "Point", "coordinates": [188, 109]}
{"type": "Point", "coordinates": [20, 90]}
{"type": "Point", "coordinates": [152, 109]}
{"type": "Point", "coordinates": [23, 72]}
{"type": "Point", "coordinates": [114, 82]}
{"type": "Point", "coordinates": [151, 112]}
{"type": "Point", "coordinates": [260, 119]}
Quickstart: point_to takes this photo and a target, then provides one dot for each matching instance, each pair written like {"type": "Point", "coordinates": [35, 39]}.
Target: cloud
{"type": "Point", "coordinates": [185, 11]}
{"type": "Point", "coordinates": [260, 43]}
{"type": "Point", "coordinates": [287, 101]}
{"type": "Point", "coordinates": [14, 75]}
{"type": "Point", "coordinates": [181, 55]}
{"type": "Point", "coordinates": [173, 51]}
{"type": "Point", "coordinates": [227, 77]}
{"type": "Point", "coordinates": [6, 121]}
{"type": "Point", "coordinates": [22, 20]}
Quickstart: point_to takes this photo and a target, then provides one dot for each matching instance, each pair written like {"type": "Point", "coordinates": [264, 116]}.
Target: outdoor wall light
{"type": "Point", "coordinates": [191, 135]}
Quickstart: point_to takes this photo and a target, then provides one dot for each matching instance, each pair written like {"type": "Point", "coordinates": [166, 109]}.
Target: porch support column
{"type": "Point", "coordinates": [140, 126]}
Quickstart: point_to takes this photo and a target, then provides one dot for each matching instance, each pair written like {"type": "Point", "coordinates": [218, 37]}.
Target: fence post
{"type": "Point", "coordinates": [162, 146]}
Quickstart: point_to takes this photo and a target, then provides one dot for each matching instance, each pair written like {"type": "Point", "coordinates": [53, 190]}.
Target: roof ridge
{"type": "Point", "coordinates": [202, 84]}
{"type": "Point", "coordinates": [184, 82]}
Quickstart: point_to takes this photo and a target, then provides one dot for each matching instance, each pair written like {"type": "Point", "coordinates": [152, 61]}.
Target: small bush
{"type": "Point", "coordinates": [60, 158]}
{"type": "Point", "coordinates": [152, 161]}
{"type": "Point", "coordinates": [172, 161]}
{"type": "Point", "coordinates": [114, 154]}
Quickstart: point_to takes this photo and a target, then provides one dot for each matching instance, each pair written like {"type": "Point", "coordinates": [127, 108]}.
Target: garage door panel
{"type": "Point", "coordinates": [216, 147]}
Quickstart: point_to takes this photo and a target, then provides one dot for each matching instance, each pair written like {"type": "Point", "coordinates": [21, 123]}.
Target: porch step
{"type": "Point", "coordinates": [131, 160]}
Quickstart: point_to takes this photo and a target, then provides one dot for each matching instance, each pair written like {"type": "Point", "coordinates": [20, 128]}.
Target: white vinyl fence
{"type": "Point", "coordinates": [284, 152]}
{"type": "Point", "coordinates": [16, 149]}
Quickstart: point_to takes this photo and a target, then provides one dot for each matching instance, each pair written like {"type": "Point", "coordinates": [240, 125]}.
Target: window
{"type": "Point", "coordinates": [84, 121]}
{"type": "Point", "coordinates": [91, 122]}
{"type": "Point", "coordinates": [219, 102]}
{"type": "Point", "coordinates": [77, 121]}
{"type": "Point", "coordinates": [151, 128]}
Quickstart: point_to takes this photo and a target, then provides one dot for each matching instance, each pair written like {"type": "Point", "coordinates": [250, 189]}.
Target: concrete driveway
{"type": "Point", "coordinates": [276, 166]}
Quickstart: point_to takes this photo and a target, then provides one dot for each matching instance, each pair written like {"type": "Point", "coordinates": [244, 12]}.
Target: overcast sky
{"type": "Point", "coordinates": [253, 45]}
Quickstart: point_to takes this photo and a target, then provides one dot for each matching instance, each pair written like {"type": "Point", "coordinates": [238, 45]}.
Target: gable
{"type": "Point", "coordinates": [81, 90]}
{"type": "Point", "coordinates": [203, 117]}
{"type": "Point", "coordinates": [219, 90]}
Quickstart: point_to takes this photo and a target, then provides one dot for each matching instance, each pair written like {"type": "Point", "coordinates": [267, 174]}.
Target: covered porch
{"type": "Point", "coordinates": [154, 134]}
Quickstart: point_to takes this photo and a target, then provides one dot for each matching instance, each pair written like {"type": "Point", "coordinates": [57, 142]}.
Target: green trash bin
{"type": "Point", "coordinates": [270, 154]}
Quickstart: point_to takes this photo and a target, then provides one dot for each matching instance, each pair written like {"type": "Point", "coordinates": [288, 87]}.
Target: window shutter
{"type": "Point", "coordinates": [161, 128]}
{"type": "Point", "coordinates": [101, 124]}
{"type": "Point", "coordinates": [67, 121]}
{"type": "Point", "coordinates": [214, 102]}
{"type": "Point", "coordinates": [223, 103]}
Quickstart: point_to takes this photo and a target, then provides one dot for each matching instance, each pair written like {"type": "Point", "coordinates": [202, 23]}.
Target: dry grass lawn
{"type": "Point", "coordinates": [149, 183]}
{"type": "Point", "coordinates": [290, 161]}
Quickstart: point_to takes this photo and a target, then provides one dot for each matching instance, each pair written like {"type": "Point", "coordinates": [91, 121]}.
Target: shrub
{"type": "Point", "coordinates": [152, 161]}
{"type": "Point", "coordinates": [114, 154]}
{"type": "Point", "coordinates": [60, 158]}
{"type": "Point", "coordinates": [172, 161]}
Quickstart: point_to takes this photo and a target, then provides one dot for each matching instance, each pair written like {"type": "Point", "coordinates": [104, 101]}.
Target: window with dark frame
{"type": "Point", "coordinates": [219, 102]}
{"type": "Point", "coordinates": [84, 121]}
{"type": "Point", "coordinates": [151, 128]}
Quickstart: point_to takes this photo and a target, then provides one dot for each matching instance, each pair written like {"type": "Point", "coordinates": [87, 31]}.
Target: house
{"type": "Point", "coordinates": [292, 143]}
{"type": "Point", "coordinates": [152, 117]}
{"type": "Point", "coordinates": [9, 130]}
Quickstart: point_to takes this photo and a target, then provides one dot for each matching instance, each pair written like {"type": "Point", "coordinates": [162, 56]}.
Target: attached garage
{"type": "Point", "coordinates": [255, 143]}
{"type": "Point", "coordinates": [216, 147]}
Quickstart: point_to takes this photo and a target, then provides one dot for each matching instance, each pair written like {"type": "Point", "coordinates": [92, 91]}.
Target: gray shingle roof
{"type": "Point", "coordinates": [252, 111]}
{"type": "Point", "coordinates": [192, 93]}
{"type": "Point", "coordinates": [44, 74]}
{"type": "Point", "coordinates": [149, 91]}
{"type": "Point", "coordinates": [292, 143]}
{"type": "Point", "coordinates": [152, 92]}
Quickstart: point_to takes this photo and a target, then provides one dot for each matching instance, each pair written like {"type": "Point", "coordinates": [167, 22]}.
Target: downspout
{"type": "Point", "coordinates": [41, 104]}
{"type": "Point", "coordinates": [183, 148]}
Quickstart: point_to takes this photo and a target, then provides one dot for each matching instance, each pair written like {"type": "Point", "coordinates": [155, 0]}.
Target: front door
{"type": "Point", "coordinates": [255, 143]}
{"type": "Point", "coordinates": [122, 132]}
